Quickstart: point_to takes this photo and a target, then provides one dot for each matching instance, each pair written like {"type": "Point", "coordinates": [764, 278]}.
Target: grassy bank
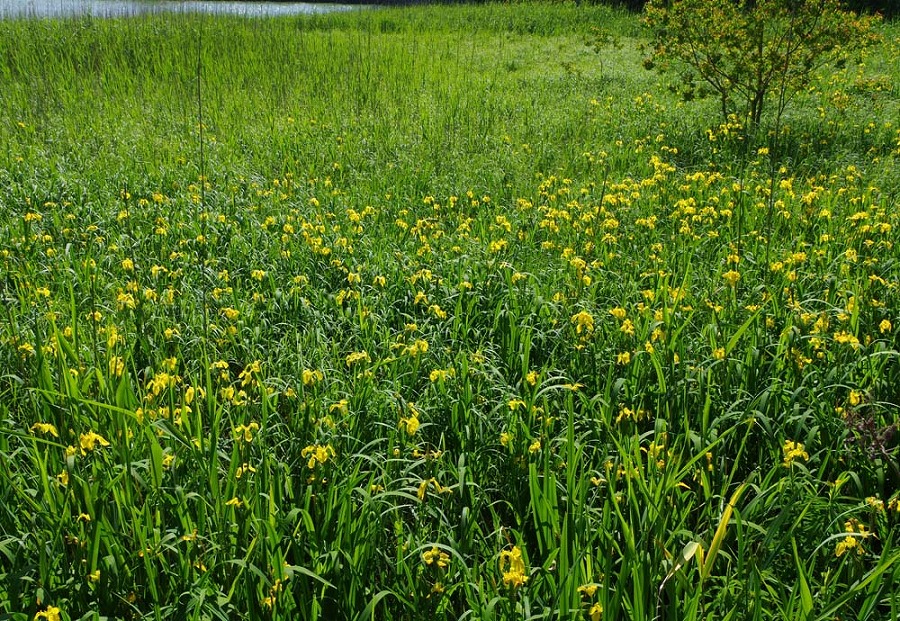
{"type": "Point", "coordinates": [439, 311]}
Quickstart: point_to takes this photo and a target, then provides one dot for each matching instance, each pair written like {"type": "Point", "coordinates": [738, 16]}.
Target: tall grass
{"type": "Point", "coordinates": [456, 317]}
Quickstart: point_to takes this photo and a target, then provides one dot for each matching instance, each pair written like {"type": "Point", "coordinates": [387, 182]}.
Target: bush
{"type": "Point", "coordinates": [748, 50]}
{"type": "Point", "coordinates": [886, 8]}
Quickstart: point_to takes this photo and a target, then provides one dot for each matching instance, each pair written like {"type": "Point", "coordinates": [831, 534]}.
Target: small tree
{"type": "Point", "coordinates": [749, 50]}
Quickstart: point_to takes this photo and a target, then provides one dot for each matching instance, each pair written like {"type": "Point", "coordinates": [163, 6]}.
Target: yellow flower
{"type": "Point", "coordinates": [885, 326]}
{"type": "Point", "coordinates": [515, 404]}
{"type": "Point", "coordinates": [625, 413]}
{"type": "Point", "coordinates": [719, 353]}
{"type": "Point", "coordinates": [854, 526]}
{"type": "Point", "coordinates": [116, 366]}
{"type": "Point", "coordinates": [125, 300]}
{"type": "Point", "coordinates": [239, 398]}
{"type": "Point", "coordinates": [846, 544]}
{"type": "Point", "coordinates": [584, 323]}
{"type": "Point", "coordinates": [535, 446]}
{"type": "Point", "coordinates": [45, 428]}
{"type": "Point", "coordinates": [410, 425]}
{"type": "Point", "coordinates": [51, 614]}
{"type": "Point", "coordinates": [875, 503]}
{"type": "Point", "coordinates": [793, 450]}
{"type": "Point", "coordinates": [531, 378]}
{"type": "Point", "coordinates": [731, 277]}
{"type": "Point", "coordinates": [317, 454]}
{"type": "Point", "coordinates": [618, 313]}
{"type": "Point", "coordinates": [310, 377]}
{"type": "Point", "coordinates": [245, 432]}
{"type": "Point", "coordinates": [418, 347]}
{"type": "Point", "coordinates": [497, 245]}
{"type": "Point", "coordinates": [587, 590]}
{"type": "Point", "coordinates": [358, 356]}
{"type": "Point", "coordinates": [423, 488]}
{"type": "Point", "coordinates": [242, 469]}
{"type": "Point", "coordinates": [246, 376]}
{"type": "Point", "coordinates": [850, 542]}
{"type": "Point", "coordinates": [505, 437]}
{"type": "Point", "coordinates": [512, 566]}
{"type": "Point", "coordinates": [437, 557]}
{"type": "Point", "coordinates": [90, 440]}
{"type": "Point", "coordinates": [441, 375]}
{"type": "Point", "coordinates": [845, 338]}
{"type": "Point", "coordinates": [623, 358]}
{"type": "Point", "coordinates": [596, 612]}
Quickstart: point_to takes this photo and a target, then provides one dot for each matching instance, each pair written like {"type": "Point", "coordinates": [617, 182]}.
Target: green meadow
{"type": "Point", "coordinates": [449, 312]}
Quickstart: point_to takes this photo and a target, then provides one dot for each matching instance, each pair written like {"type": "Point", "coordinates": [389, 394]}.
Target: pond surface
{"type": "Point", "coordinates": [127, 8]}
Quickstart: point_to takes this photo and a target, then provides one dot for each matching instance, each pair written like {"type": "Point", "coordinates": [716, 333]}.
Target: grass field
{"type": "Point", "coordinates": [439, 312]}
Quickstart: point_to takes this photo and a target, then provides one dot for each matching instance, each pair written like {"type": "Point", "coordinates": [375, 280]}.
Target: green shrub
{"type": "Point", "coordinates": [749, 51]}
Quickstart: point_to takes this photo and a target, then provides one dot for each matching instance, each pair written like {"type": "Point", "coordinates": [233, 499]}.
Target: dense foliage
{"type": "Point", "coordinates": [753, 51]}
{"type": "Point", "coordinates": [419, 313]}
{"type": "Point", "coordinates": [885, 8]}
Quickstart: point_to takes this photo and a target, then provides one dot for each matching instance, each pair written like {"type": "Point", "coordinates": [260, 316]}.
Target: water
{"type": "Point", "coordinates": [127, 8]}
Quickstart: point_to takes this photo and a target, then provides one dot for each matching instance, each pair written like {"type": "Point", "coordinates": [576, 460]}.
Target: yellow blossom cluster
{"type": "Point", "coordinates": [792, 452]}
{"type": "Point", "coordinates": [317, 454]}
{"type": "Point", "coordinates": [437, 557]}
{"type": "Point", "coordinates": [857, 533]}
{"type": "Point", "coordinates": [512, 568]}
